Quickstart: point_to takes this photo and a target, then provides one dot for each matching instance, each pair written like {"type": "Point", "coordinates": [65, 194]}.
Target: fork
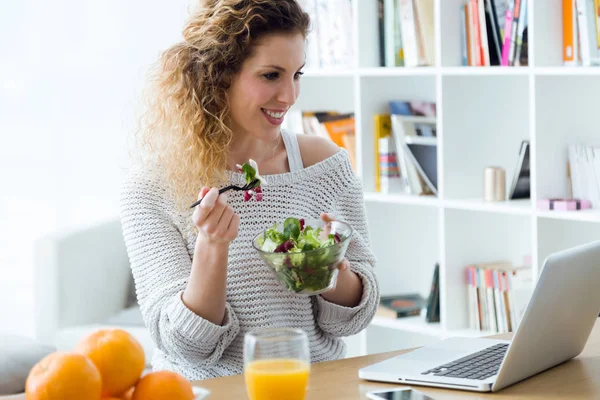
{"type": "Point", "coordinates": [247, 186]}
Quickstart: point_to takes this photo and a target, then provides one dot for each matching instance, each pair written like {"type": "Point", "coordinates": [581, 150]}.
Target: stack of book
{"type": "Point", "coordinates": [406, 33]}
{"type": "Point", "coordinates": [581, 32]}
{"type": "Point", "coordinates": [498, 294]}
{"type": "Point", "coordinates": [406, 149]}
{"type": "Point", "coordinates": [413, 304]}
{"type": "Point", "coordinates": [494, 32]}
{"type": "Point", "coordinates": [387, 176]}
{"type": "Point", "coordinates": [400, 305]}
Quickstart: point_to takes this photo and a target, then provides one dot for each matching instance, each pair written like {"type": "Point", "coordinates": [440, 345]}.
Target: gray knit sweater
{"type": "Point", "coordinates": [160, 243]}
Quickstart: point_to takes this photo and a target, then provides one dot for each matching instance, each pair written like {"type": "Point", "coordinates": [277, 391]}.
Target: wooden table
{"type": "Point", "coordinates": [576, 379]}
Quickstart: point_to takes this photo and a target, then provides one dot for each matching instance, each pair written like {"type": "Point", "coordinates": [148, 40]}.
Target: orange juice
{"type": "Point", "coordinates": [277, 379]}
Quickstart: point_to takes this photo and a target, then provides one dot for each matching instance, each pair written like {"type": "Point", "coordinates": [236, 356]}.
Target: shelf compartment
{"type": "Point", "coordinates": [484, 121]}
{"type": "Point", "coordinates": [477, 237]}
{"type": "Point", "coordinates": [566, 113]}
{"type": "Point", "coordinates": [405, 242]}
{"type": "Point", "coordinates": [560, 234]}
{"type": "Point", "coordinates": [375, 94]}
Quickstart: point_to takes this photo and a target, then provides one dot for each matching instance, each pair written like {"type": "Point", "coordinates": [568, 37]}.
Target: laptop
{"type": "Point", "coordinates": [555, 327]}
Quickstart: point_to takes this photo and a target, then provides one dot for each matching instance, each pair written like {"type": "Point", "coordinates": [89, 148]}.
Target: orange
{"type": "Point", "coordinates": [162, 385]}
{"type": "Point", "coordinates": [61, 375]}
{"type": "Point", "coordinates": [118, 356]}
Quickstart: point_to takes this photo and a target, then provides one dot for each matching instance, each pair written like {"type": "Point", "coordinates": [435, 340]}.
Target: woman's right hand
{"type": "Point", "coordinates": [215, 219]}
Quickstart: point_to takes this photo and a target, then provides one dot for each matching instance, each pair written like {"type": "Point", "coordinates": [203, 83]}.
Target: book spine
{"type": "Point", "coordinates": [390, 26]}
{"type": "Point", "coordinates": [494, 38]}
{"type": "Point", "coordinates": [388, 166]}
{"type": "Point", "coordinates": [514, 31]}
{"type": "Point", "coordinates": [483, 300]}
{"type": "Point", "coordinates": [584, 39]}
{"type": "Point", "coordinates": [464, 44]}
{"type": "Point", "coordinates": [474, 8]}
{"type": "Point", "coordinates": [470, 34]}
{"type": "Point", "coordinates": [398, 50]}
{"type": "Point", "coordinates": [511, 300]}
{"type": "Point", "coordinates": [507, 309]}
{"type": "Point", "coordinates": [381, 27]}
{"type": "Point", "coordinates": [485, 50]}
{"type": "Point", "coordinates": [521, 31]}
{"type": "Point", "coordinates": [597, 20]}
{"type": "Point", "coordinates": [491, 301]}
{"type": "Point", "coordinates": [507, 34]}
{"type": "Point", "coordinates": [379, 132]}
{"type": "Point", "coordinates": [409, 33]}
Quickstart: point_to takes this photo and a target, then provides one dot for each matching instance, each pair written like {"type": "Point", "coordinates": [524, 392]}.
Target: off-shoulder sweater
{"type": "Point", "coordinates": [160, 243]}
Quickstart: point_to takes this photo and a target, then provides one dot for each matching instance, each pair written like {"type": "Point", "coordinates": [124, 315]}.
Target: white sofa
{"type": "Point", "coordinates": [83, 282]}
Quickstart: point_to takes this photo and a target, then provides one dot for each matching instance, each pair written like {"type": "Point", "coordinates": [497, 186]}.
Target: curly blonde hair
{"type": "Point", "coordinates": [184, 130]}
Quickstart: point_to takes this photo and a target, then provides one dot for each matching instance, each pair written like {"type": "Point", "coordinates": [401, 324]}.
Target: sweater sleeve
{"type": "Point", "coordinates": [161, 266]}
{"type": "Point", "coordinates": [345, 321]}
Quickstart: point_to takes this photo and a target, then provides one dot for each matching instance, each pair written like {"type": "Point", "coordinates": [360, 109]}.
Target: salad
{"type": "Point", "coordinates": [250, 171]}
{"type": "Point", "coordinates": [309, 256]}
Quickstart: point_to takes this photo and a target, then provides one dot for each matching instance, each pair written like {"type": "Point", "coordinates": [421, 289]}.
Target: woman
{"type": "Point", "coordinates": [219, 100]}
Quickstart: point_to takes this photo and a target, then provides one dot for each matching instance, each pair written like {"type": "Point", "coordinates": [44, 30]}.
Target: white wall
{"type": "Point", "coordinates": [71, 72]}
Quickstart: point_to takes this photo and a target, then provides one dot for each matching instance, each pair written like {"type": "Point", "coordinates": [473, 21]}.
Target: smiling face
{"type": "Point", "coordinates": [267, 85]}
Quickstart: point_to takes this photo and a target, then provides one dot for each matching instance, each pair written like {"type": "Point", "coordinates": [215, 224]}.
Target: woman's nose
{"type": "Point", "coordinates": [287, 93]}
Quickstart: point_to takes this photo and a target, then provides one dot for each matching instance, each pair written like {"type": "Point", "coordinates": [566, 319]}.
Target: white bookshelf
{"type": "Point", "coordinates": [483, 114]}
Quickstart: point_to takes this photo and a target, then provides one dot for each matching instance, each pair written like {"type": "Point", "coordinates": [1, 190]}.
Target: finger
{"type": "Point", "coordinates": [225, 220]}
{"type": "Point", "coordinates": [344, 265]}
{"type": "Point", "coordinates": [234, 225]}
{"type": "Point", "coordinates": [208, 202]}
{"type": "Point", "coordinates": [212, 220]}
{"type": "Point", "coordinates": [327, 217]}
{"type": "Point", "coordinates": [203, 192]}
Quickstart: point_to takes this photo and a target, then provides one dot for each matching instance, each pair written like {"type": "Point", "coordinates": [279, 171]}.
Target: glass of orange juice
{"type": "Point", "coordinates": [276, 364]}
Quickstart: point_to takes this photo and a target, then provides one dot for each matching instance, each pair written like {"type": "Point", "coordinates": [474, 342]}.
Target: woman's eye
{"type": "Point", "coordinates": [298, 75]}
{"type": "Point", "coordinates": [272, 76]}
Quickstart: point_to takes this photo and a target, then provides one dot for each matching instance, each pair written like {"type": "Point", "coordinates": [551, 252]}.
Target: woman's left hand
{"type": "Point", "coordinates": [344, 264]}
{"type": "Point", "coordinates": [348, 289]}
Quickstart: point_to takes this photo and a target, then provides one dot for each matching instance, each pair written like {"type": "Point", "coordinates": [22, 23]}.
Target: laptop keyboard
{"type": "Point", "coordinates": [480, 365]}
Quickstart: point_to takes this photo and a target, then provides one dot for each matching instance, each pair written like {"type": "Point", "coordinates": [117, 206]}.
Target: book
{"type": "Point", "coordinates": [521, 184]}
{"type": "Point", "coordinates": [493, 33]}
{"type": "Point", "coordinates": [432, 313]}
{"type": "Point", "coordinates": [409, 34]}
{"type": "Point", "coordinates": [389, 172]}
{"type": "Point", "coordinates": [400, 305]}
{"type": "Point", "coordinates": [569, 19]}
{"type": "Point", "coordinates": [498, 293]}
{"type": "Point", "coordinates": [424, 22]}
{"type": "Point", "coordinates": [382, 128]}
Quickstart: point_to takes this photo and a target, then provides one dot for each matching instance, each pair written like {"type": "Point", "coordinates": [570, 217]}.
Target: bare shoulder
{"type": "Point", "coordinates": [314, 149]}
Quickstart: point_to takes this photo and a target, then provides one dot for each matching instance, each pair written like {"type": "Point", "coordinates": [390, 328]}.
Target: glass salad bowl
{"type": "Point", "coordinates": [304, 253]}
